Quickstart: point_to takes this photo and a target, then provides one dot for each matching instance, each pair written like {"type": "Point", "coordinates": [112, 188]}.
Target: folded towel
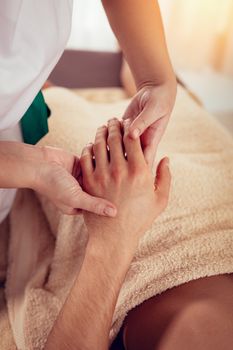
{"type": "Point", "coordinates": [193, 238]}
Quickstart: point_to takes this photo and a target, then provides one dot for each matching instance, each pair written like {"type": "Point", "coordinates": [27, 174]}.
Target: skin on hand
{"type": "Point", "coordinates": [58, 177]}
{"type": "Point", "coordinates": [125, 181]}
{"type": "Point", "coordinates": [149, 111]}
{"type": "Point", "coordinates": [148, 114]}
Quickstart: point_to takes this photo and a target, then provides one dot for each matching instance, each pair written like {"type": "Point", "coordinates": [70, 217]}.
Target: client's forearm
{"type": "Point", "coordinates": [18, 164]}
{"type": "Point", "coordinates": [85, 320]}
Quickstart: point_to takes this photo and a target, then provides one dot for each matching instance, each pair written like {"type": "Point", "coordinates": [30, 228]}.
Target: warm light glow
{"type": "Point", "coordinates": [199, 32]}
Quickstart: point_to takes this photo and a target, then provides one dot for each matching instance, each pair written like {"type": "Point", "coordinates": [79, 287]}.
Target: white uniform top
{"type": "Point", "coordinates": [33, 35]}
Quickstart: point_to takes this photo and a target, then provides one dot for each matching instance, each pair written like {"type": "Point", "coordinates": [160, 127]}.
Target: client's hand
{"type": "Point", "coordinates": [125, 181]}
{"type": "Point", "coordinates": [57, 179]}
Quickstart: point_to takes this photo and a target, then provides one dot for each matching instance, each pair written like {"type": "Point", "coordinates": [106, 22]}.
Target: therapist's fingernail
{"type": "Point", "coordinates": [136, 133]}
{"type": "Point", "coordinates": [109, 211]}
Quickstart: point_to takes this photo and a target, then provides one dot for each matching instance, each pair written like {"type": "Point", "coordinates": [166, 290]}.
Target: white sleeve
{"type": "Point", "coordinates": [33, 36]}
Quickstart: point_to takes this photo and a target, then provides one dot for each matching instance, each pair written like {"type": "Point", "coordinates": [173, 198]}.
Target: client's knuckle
{"type": "Point", "coordinates": [117, 172]}
{"type": "Point", "coordinates": [101, 179]}
{"type": "Point", "coordinates": [89, 185]}
{"type": "Point", "coordinates": [114, 136]}
{"type": "Point", "coordinates": [138, 171]}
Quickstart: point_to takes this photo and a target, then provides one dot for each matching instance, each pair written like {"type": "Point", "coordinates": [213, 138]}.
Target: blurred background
{"type": "Point", "coordinates": [200, 41]}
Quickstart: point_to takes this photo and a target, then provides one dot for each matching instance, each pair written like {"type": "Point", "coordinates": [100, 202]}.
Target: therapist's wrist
{"type": "Point", "coordinates": [19, 164]}
{"type": "Point", "coordinates": [41, 170]}
{"type": "Point", "coordinates": [31, 163]}
{"type": "Point", "coordinates": [165, 92]}
{"type": "Point", "coordinates": [169, 81]}
{"type": "Point", "coordinates": [55, 166]}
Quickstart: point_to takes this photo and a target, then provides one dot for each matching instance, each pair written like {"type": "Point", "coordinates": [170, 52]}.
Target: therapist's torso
{"type": "Point", "coordinates": [33, 36]}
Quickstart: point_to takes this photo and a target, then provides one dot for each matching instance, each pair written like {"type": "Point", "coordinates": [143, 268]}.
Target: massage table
{"type": "Point", "coordinates": [190, 242]}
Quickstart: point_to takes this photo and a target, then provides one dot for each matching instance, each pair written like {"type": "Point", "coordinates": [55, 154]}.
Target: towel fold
{"type": "Point", "coordinates": [193, 238]}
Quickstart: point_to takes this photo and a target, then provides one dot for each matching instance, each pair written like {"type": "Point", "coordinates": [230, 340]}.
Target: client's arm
{"type": "Point", "coordinates": [85, 320]}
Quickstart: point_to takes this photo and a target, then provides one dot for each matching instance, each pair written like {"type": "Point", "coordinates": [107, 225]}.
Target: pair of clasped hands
{"type": "Point", "coordinates": [112, 180]}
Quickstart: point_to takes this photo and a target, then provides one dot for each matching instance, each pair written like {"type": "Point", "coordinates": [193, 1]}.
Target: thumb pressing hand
{"type": "Point", "coordinates": [56, 182]}
{"type": "Point", "coordinates": [93, 204]}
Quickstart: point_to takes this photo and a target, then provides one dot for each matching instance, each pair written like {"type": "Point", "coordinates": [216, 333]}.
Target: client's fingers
{"type": "Point", "coordinates": [100, 147]}
{"type": "Point", "coordinates": [86, 160]}
{"type": "Point", "coordinates": [163, 181]}
{"type": "Point", "coordinates": [115, 143]}
{"type": "Point", "coordinates": [133, 148]}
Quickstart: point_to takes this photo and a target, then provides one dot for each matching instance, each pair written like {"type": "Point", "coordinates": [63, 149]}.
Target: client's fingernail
{"type": "Point", "coordinates": [85, 151]}
{"type": "Point", "coordinates": [136, 133]}
{"type": "Point", "coordinates": [112, 120]}
{"type": "Point", "coordinates": [109, 211]}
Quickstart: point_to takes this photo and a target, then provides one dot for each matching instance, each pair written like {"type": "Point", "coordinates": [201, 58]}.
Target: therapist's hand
{"type": "Point", "coordinates": [58, 177]}
{"type": "Point", "coordinates": [148, 115]}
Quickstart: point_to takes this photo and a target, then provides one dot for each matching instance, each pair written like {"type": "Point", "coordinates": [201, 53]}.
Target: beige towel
{"type": "Point", "coordinates": [6, 340]}
{"type": "Point", "coordinates": [193, 238]}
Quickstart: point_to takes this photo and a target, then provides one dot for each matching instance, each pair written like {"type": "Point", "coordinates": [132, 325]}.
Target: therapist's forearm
{"type": "Point", "coordinates": [139, 30]}
{"type": "Point", "coordinates": [85, 321]}
{"type": "Point", "coordinates": [18, 164]}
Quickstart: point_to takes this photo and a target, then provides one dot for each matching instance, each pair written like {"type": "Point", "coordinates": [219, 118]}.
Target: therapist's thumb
{"type": "Point", "coordinates": [96, 205]}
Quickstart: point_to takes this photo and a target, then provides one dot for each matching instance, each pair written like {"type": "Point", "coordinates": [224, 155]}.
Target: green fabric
{"type": "Point", "coordinates": [34, 123]}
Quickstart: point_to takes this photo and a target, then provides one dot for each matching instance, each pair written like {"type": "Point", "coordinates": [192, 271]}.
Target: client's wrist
{"type": "Point", "coordinates": [114, 240]}
{"type": "Point", "coordinates": [112, 250]}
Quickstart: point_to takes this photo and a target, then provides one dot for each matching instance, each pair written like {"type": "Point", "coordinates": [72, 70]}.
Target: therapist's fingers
{"type": "Point", "coordinates": [100, 148]}
{"type": "Point", "coordinates": [115, 142]}
{"type": "Point", "coordinates": [144, 119]}
{"type": "Point", "coordinates": [151, 138]}
{"type": "Point", "coordinates": [133, 148]}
